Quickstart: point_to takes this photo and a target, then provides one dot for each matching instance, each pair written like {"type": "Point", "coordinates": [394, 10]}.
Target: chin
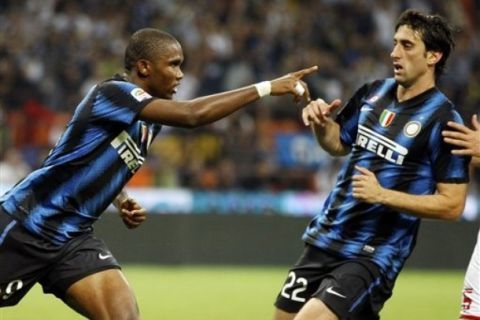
{"type": "Point", "coordinates": [400, 81]}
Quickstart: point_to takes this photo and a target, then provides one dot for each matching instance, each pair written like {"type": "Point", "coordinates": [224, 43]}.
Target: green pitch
{"type": "Point", "coordinates": [244, 293]}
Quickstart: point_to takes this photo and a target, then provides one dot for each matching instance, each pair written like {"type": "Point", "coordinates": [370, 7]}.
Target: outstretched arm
{"type": "Point", "coordinates": [447, 203]}
{"type": "Point", "coordinates": [207, 109]}
{"type": "Point", "coordinates": [465, 139]}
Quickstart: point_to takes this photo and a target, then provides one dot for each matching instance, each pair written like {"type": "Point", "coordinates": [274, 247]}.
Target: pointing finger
{"type": "Point", "coordinates": [301, 73]}
{"type": "Point", "coordinates": [335, 104]}
{"type": "Point", "coordinates": [458, 126]}
{"type": "Point", "coordinates": [475, 122]}
{"type": "Point", "coordinates": [364, 170]}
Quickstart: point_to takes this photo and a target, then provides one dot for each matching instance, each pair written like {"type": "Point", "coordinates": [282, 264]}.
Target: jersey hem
{"type": "Point", "coordinates": [454, 180]}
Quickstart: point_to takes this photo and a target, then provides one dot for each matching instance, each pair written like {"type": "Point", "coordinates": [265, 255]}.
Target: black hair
{"type": "Point", "coordinates": [435, 32]}
{"type": "Point", "coordinates": [146, 44]}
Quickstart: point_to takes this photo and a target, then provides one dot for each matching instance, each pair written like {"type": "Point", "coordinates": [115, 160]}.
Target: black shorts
{"type": "Point", "coordinates": [26, 259]}
{"type": "Point", "coordinates": [351, 288]}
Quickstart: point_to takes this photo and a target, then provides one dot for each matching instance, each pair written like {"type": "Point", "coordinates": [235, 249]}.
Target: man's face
{"type": "Point", "coordinates": [409, 57]}
{"type": "Point", "coordinates": [165, 72]}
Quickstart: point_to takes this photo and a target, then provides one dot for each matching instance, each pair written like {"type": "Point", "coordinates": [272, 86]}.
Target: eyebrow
{"type": "Point", "coordinates": [176, 60]}
{"type": "Point", "coordinates": [404, 41]}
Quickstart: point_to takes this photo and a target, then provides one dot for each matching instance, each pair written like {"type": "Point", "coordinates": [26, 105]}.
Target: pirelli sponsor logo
{"type": "Point", "coordinates": [128, 150]}
{"type": "Point", "coordinates": [380, 145]}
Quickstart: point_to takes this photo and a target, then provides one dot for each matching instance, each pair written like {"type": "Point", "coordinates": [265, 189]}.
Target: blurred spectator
{"type": "Point", "coordinates": [12, 167]}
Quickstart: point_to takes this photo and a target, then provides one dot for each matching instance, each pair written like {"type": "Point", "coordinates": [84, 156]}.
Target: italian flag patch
{"type": "Point", "coordinates": [386, 118]}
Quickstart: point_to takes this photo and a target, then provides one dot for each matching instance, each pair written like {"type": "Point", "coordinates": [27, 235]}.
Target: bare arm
{"type": "Point", "coordinates": [204, 110]}
{"type": "Point", "coordinates": [465, 139]}
{"type": "Point", "coordinates": [446, 204]}
{"type": "Point", "coordinates": [317, 115]}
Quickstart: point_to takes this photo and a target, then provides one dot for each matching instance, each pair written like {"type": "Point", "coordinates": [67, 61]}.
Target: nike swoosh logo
{"type": "Point", "coordinates": [330, 290]}
{"type": "Point", "coordinates": [363, 109]}
{"type": "Point", "coordinates": [104, 256]}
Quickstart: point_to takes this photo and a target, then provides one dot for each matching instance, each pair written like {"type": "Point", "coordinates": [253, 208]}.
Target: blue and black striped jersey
{"type": "Point", "coordinates": [103, 145]}
{"type": "Point", "coordinates": [402, 144]}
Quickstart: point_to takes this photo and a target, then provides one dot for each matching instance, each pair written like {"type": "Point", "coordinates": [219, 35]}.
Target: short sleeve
{"type": "Point", "coordinates": [448, 168]}
{"type": "Point", "coordinates": [120, 102]}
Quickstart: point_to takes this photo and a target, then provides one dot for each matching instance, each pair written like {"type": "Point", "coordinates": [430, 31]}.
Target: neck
{"type": "Point", "coordinates": [128, 76]}
{"type": "Point", "coordinates": [133, 78]}
{"type": "Point", "coordinates": [405, 92]}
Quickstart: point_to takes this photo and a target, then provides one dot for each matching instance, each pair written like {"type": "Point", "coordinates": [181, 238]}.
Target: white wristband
{"type": "Point", "coordinates": [299, 89]}
{"type": "Point", "coordinates": [264, 88]}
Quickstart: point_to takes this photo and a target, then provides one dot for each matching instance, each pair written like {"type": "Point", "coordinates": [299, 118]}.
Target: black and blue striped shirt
{"type": "Point", "coordinates": [103, 145]}
{"type": "Point", "coordinates": [401, 143]}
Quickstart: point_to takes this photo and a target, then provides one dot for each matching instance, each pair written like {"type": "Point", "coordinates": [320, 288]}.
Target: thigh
{"type": "Point", "coordinates": [89, 280]}
{"type": "Point", "coordinates": [24, 259]}
{"type": "Point", "coordinates": [316, 309]}
{"type": "Point", "coordinates": [81, 257]}
{"type": "Point", "coordinates": [350, 288]}
{"type": "Point", "coordinates": [103, 295]}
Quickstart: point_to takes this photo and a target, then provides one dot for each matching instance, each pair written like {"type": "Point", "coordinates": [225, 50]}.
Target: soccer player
{"type": "Point", "coordinates": [399, 171]}
{"type": "Point", "coordinates": [467, 142]}
{"type": "Point", "coordinates": [46, 219]}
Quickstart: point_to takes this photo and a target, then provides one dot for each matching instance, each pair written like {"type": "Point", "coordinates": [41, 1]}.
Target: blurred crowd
{"type": "Point", "coordinates": [53, 51]}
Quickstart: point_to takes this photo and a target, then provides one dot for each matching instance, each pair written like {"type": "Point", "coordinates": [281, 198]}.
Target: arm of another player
{"type": "Point", "coordinates": [317, 115]}
{"type": "Point", "coordinates": [131, 212]}
{"type": "Point", "coordinates": [467, 140]}
{"type": "Point", "coordinates": [207, 109]}
{"type": "Point", "coordinates": [447, 203]}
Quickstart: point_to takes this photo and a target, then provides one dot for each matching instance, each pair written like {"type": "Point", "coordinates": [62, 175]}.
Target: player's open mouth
{"type": "Point", "coordinates": [397, 67]}
{"type": "Point", "coordinates": [175, 89]}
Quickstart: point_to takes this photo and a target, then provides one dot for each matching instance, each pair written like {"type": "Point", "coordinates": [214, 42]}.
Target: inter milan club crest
{"type": "Point", "coordinates": [412, 128]}
{"type": "Point", "coordinates": [386, 118]}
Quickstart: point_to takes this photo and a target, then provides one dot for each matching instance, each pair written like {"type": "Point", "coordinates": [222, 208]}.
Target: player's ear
{"type": "Point", "coordinates": [433, 57]}
{"type": "Point", "coordinates": [143, 68]}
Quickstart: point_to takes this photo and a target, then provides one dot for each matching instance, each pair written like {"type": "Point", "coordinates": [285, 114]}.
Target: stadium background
{"type": "Point", "coordinates": [239, 191]}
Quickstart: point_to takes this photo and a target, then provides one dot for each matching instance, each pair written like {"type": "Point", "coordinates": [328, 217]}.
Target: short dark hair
{"type": "Point", "coordinates": [146, 44]}
{"type": "Point", "coordinates": [435, 31]}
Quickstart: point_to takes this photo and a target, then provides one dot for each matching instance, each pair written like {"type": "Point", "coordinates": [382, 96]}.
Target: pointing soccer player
{"type": "Point", "coordinates": [46, 219]}
{"type": "Point", "coordinates": [399, 171]}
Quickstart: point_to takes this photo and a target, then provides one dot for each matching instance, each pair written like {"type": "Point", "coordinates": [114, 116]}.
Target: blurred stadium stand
{"type": "Point", "coordinates": [53, 51]}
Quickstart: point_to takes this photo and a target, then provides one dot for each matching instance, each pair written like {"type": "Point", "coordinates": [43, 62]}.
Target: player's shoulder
{"type": "Point", "coordinates": [439, 111]}
{"type": "Point", "coordinates": [120, 85]}
{"type": "Point", "coordinates": [116, 82]}
{"type": "Point", "coordinates": [382, 82]}
{"type": "Point", "coordinates": [376, 89]}
{"type": "Point", "coordinates": [445, 108]}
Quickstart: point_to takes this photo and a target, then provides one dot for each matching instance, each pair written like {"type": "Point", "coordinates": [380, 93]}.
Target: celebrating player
{"type": "Point", "coordinates": [46, 219]}
{"type": "Point", "coordinates": [399, 171]}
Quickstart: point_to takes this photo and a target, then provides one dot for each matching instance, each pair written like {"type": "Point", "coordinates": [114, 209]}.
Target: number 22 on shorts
{"type": "Point", "coordinates": [300, 285]}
